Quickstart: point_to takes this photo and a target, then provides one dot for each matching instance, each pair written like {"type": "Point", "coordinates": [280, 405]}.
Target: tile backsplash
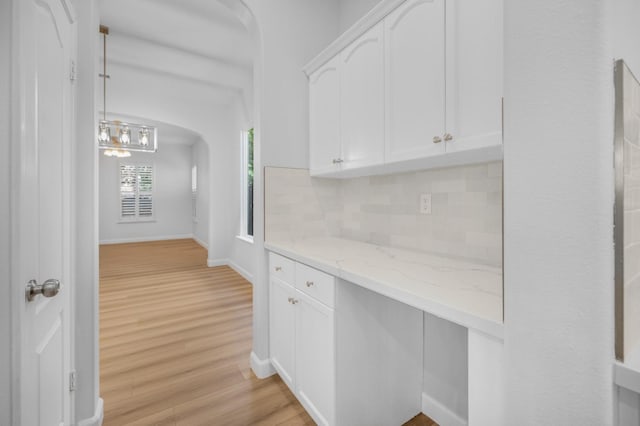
{"type": "Point", "coordinates": [466, 217]}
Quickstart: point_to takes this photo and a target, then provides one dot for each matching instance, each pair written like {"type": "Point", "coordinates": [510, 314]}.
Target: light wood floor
{"type": "Point", "coordinates": [175, 338]}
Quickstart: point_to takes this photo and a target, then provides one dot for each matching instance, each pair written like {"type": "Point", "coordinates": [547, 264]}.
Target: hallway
{"type": "Point", "coordinates": [175, 338]}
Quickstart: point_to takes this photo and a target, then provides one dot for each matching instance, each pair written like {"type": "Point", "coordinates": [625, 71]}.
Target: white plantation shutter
{"type": "Point", "coordinates": [136, 192]}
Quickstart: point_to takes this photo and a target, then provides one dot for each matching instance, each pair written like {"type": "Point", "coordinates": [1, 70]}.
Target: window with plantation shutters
{"type": "Point", "coordinates": [136, 192]}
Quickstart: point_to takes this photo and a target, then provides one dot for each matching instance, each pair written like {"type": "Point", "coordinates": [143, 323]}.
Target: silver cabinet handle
{"type": "Point", "coordinates": [294, 301]}
{"type": "Point", "coordinates": [309, 283]}
{"type": "Point", "coordinates": [437, 139]}
{"type": "Point", "coordinates": [278, 268]}
{"type": "Point", "coordinates": [49, 288]}
{"type": "Point", "coordinates": [290, 300]}
{"type": "Point", "coordinates": [338, 160]}
{"type": "Point", "coordinates": [448, 137]}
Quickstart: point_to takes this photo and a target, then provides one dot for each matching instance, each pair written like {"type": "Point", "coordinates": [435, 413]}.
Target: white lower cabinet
{"type": "Point", "coordinates": [352, 357]}
{"type": "Point", "coordinates": [302, 337]}
{"type": "Point", "coordinates": [282, 333]}
{"type": "Point", "coordinates": [315, 362]}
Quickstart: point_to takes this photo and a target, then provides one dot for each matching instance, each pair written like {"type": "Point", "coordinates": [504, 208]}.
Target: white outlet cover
{"type": "Point", "coordinates": [425, 203]}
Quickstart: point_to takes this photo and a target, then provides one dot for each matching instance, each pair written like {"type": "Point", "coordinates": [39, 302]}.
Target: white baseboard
{"type": "Point", "coordinates": [439, 413]}
{"type": "Point", "coordinates": [145, 239]}
{"type": "Point", "coordinates": [239, 269]}
{"type": "Point", "coordinates": [212, 263]}
{"type": "Point", "coordinates": [199, 241]}
{"type": "Point", "coordinates": [97, 418]}
{"type": "Point", "coordinates": [261, 368]}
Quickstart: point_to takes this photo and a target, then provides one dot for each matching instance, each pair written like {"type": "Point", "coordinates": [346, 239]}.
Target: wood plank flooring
{"type": "Point", "coordinates": [175, 339]}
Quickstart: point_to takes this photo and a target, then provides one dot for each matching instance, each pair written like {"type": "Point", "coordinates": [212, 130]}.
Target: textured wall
{"type": "Point", "coordinates": [558, 217]}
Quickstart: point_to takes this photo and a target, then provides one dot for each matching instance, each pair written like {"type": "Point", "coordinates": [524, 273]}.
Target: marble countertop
{"type": "Point", "coordinates": [460, 291]}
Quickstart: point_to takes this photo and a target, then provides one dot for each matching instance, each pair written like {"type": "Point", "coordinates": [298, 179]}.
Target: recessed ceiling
{"type": "Point", "coordinates": [201, 27]}
{"type": "Point", "coordinates": [164, 51]}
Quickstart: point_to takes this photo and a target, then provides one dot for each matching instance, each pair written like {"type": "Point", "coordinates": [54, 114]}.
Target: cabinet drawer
{"type": "Point", "coordinates": [316, 284]}
{"type": "Point", "coordinates": [282, 268]}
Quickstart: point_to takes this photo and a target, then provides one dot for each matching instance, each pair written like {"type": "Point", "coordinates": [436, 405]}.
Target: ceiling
{"type": "Point", "coordinates": [197, 50]}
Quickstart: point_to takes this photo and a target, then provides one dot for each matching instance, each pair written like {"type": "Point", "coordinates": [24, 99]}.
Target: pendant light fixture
{"type": "Point", "coordinates": [115, 137]}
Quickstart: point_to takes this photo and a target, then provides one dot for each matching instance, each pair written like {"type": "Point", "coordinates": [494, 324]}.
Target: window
{"type": "Point", "coordinates": [246, 190]}
{"type": "Point", "coordinates": [136, 192]}
{"type": "Point", "coordinates": [194, 192]}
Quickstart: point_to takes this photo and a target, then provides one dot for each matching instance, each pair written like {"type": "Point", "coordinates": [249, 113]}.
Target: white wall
{"type": "Point", "coordinates": [352, 10]}
{"type": "Point", "coordinates": [558, 265]}
{"type": "Point", "coordinates": [200, 159]}
{"type": "Point", "coordinates": [288, 34]}
{"type": "Point", "coordinates": [5, 212]}
{"type": "Point", "coordinates": [626, 44]}
{"type": "Point", "coordinates": [445, 364]}
{"type": "Point", "coordinates": [171, 196]}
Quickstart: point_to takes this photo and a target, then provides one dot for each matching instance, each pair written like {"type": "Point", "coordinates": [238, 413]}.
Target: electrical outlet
{"type": "Point", "coordinates": [425, 203]}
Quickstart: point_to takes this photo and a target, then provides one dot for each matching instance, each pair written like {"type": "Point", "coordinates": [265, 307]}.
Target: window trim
{"type": "Point", "coordinates": [244, 173]}
{"type": "Point", "coordinates": [194, 193]}
{"type": "Point", "coordinates": [137, 218]}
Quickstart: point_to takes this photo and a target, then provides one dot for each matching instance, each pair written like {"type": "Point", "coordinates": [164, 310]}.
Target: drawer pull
{"type": "Point", "coordinates": [309, 283]}
{"type": "Point", "coordinates": [278, 268]}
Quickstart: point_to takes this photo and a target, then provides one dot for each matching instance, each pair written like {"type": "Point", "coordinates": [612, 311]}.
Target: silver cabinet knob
{"type": "Point", "coordinates": [338, 160]}
{"type": "Point", "coordinates": [278, 268]}
{"type": "Point", "coordinates": [309, 283]}
{"type": "Point", "coordinates": [290, 299]}
{"type": "Point", "coordinates": [437, 139]}
{"type": "Point", "coordinates": [448, 137]}
{"type": "Point", "coordinates": [294, 301]}
{"type": "Point", "coordinates": [49, 288]}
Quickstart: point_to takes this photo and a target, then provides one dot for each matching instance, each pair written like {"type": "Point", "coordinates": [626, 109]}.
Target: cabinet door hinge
{"type": "Point", "coordinates": [72, 72]}
{"type": "Point", "coordinates": [72, 381]}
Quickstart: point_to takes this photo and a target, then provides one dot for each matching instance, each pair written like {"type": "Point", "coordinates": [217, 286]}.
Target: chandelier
{"type": "Point", "coordinates": [118, 138]}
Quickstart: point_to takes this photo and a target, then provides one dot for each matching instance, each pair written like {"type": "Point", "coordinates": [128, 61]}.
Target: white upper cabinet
{"type": "Point", "coordinates": [474, 73]}
{"type": "Point", "coordinates": [415, 80]}
{"type": "Point", "coordinates": [418, 84]}
{"type": "Point", "coordinates": [362, 100]}
{"type": "Point", "coordinates": [324, 118]}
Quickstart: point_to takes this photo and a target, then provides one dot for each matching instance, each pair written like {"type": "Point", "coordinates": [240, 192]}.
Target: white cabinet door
{"type": "Point", "coordinates": [415, 80]}
{"type": "Point", "coordinates": [362, 100]}
{"type": "Point", "coordinates": [324, 118]}
{"type": "Point", "coordinates": [474, 73]}
{"type": "Point", "coordinates": [315, 358]}
{"type": "Point", "coordinates": [282, 330]}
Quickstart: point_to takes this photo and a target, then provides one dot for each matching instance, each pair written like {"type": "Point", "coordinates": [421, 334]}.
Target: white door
{"type": "Point", "coordinates": [362, 100]}
{"type": "Point", "coordinates": [282, 330]}
{"type": "Point", "coordinates": [324, 118]}
{"type": "Point", "coordinates": [315, 358]}
{"type": "Point", "coordinates": [415, 80]}
{"type": "Point", "coordinates": [44, 51]}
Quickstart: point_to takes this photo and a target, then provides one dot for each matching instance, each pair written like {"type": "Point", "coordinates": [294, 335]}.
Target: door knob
{"type": "Point", "coordinates": [448, 137]}
{"type": "Point", "coordinates": [437, 139]}
{"type": "Point", "coordinates": [49, 288]}
{"type": "Point", "coordinates": [309, 283]}
{"type": "Point", "coordinates": [337, 160]}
